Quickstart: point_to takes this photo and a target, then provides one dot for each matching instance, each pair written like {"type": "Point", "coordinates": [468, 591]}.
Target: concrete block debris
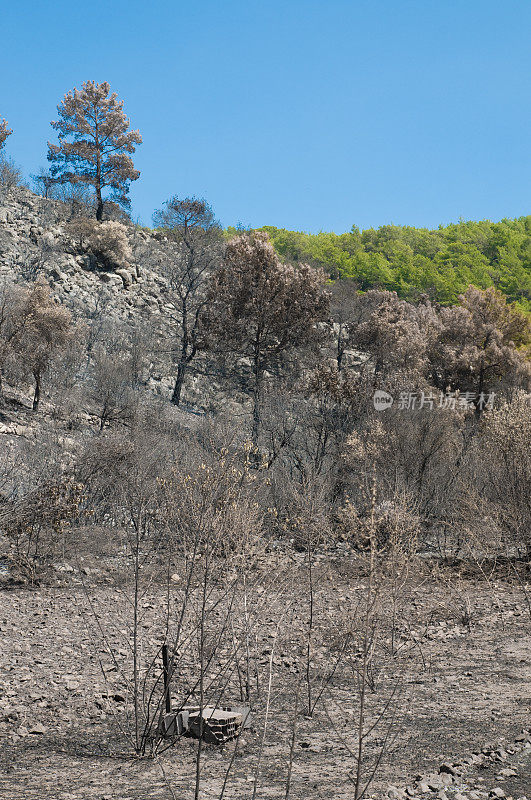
{"type": "Point", "coordinates": [220, 724]}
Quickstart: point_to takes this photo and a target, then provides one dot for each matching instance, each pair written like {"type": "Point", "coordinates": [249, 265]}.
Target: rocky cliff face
{"type": "Point", "coordinates": [131, 298]}
{"type": "Point", "coordinates": [34, 240]}
{"type": "Point", "coordinates": [36, 243]}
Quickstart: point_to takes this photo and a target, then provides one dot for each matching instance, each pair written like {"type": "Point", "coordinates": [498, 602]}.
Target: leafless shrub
{"type": "Point", "coordinates": [79, 230]}
{"type": "Point", "coordinates": [109, 244]}
{"type": "Point", "coordinates": [503, 458]}
{"type": "Point", "coordinates": [203, 521]}
{"type": "Point", "coordinates": [35, 518]}
{"type": "Point", "coordinates": [78, 199]}
{"type": "Point", "coordinates": [114, 212]}
{"type": "Point", "coordinates": [111, 392]}
{"type": "Point", "coordinates": [10, 175]}
{"type": "Point", "coordinates": [371, 633]}
{"type": "Point", "coordinates": [45, 184]}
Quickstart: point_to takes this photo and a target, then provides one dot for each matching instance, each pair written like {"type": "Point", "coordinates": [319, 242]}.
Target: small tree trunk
{"type": "Point", "coordinates": [340, 351]}
{"type": "Point", "coordinates": [97, 187]}
{"type": "Point", "coordinates": [257, 405]}
{"type": "Point", "coordinates": [179, 381]}
{"type": "Point", "coordinates": [339, 356]}
{"type": "Point", "coordinates": [99, 208]}
{"type": "Point", "coordinates": [37, 393]}
{"type": "Point", "coordinates": [257, 416]}
{"type": "Point", "coordinates": [481, 387]}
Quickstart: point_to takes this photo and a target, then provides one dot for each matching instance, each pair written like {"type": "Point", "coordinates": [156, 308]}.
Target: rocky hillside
{"type": "Point", "coordinates": [131, 297]}
{"type": "Point", "coordinates": [33, 240]}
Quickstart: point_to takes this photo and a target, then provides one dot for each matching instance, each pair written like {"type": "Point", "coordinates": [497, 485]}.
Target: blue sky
{"type": "Point", "coordinates": [305, 115]}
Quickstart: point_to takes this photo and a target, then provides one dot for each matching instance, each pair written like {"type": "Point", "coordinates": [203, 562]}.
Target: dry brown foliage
{"type": "Point", "coordinates": [94, 142]}
{"type": "Point", "coordinates": [5, 131]}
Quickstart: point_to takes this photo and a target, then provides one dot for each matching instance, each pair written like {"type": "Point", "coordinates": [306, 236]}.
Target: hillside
{"type": "Point", "coordinates": [411, 261]}
{"type": "Point", "coordinates": [316, 498]}
{"type": "Point", "coordinates": [130, 302]}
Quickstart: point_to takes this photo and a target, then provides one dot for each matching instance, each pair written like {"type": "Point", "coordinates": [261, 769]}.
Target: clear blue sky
{"type": "Point", "coordinates": [305, 115]}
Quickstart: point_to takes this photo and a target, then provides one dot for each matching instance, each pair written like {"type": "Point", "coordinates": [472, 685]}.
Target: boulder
{"type": "Point", "coordinates": [126, 277]}
{"type": "Point", "coordinates": [111, 278]}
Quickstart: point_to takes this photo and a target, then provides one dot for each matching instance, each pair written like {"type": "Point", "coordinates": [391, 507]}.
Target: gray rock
{"type": "Point", "coordinates": [111, 279]}
{"type": "Point", "coordinates": [447, 768]}
{"type": "Point", "coordinates": [37, 728]}
{"type": "Point", "coordinates": [434, 782]}
{"type": "Point", "coordinates": [57, 275]}
{"type": "Point", "coordinates": [126, 277]}
{"type": "Point", "coordinates": [395, 794]}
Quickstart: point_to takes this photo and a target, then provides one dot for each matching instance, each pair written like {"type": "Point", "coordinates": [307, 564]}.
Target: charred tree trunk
{"type": "Point", "coordinates": [99, 207]}
{"type": "Point", "coordinates": [179, 382]}
{"type": "Point", "coordinates": [37, 392]}
{"type": "Point", "coordinates": [257, 404]}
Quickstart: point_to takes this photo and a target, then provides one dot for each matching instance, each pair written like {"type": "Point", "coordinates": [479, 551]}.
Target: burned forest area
{"type": "Point", "coordinates": [264, 525]}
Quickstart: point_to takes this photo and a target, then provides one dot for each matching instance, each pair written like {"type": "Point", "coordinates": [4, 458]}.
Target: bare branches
{"type": "Point", "coordinates": [191, 225]}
